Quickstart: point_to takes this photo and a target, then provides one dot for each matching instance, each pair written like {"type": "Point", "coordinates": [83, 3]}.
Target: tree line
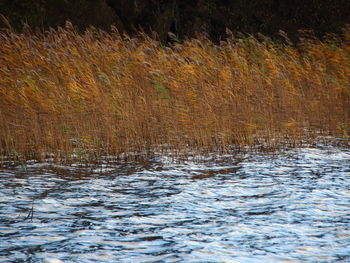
{"type": "Point", "coordinates": [182, 17]}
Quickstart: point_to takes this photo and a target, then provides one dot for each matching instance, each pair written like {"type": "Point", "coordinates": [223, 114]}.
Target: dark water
{"type": "Point", "coordinates": [289, 207]}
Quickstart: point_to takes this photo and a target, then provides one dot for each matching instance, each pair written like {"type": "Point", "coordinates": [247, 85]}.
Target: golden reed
{"type": "Point", "coordinates": [99, 93]}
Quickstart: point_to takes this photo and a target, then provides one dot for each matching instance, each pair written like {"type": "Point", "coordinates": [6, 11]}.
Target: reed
{"type": "Point", "coordinates": [97, 93]}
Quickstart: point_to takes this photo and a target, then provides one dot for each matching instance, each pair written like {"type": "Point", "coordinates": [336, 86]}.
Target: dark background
{"type": "Point", "coordinates": [185, 18]}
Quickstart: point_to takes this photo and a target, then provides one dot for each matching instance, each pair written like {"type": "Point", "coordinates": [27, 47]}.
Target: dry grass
{"type": "Point", "coordinates": [96, 93]}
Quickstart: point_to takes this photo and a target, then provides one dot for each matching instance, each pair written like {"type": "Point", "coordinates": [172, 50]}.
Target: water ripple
{"type": "Point", "coordinates": [287, 207]}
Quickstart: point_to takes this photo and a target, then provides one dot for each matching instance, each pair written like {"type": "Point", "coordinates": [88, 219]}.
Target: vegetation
{"type": "Point", "coordinates": [183, 17]}
{"type": "Point", "coordinates": [52, 13]}
{"type": "Point", "coordinates": [99, 93]}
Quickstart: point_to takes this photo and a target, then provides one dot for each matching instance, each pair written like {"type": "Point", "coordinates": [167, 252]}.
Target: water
{"type": "Point", "coordinates": [289, 207]}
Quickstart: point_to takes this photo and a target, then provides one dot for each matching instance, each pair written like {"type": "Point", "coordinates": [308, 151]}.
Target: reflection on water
{"type": "Point", "coordinates": [288, 207]}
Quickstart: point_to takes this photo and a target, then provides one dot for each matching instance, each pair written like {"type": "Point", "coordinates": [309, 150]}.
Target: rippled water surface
{"type": "Point", "coordinates": [293, 206]}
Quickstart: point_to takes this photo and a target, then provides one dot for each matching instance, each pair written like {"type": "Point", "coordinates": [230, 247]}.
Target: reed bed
{"type": "Point", "coordinates": [64, 93]}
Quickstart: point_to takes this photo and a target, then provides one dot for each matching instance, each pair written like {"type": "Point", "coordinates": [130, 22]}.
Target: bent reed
{"type": "Point", "coordinates": [95, 93]}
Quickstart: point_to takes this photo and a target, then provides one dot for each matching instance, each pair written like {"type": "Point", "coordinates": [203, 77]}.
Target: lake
{"type": "Point", "coordinates": [289, 206]}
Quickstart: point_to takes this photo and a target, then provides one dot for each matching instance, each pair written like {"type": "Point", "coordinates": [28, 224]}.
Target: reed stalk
{"type": "Point", "coordinates": [95, 93]}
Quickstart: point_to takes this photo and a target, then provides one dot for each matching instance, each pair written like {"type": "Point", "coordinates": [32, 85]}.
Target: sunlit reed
{"type": "Point", "coordinates": [98, 93]}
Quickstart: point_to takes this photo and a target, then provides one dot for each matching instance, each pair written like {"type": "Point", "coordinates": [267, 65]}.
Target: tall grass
{"type": "Point", "coordinates": [101, 93]}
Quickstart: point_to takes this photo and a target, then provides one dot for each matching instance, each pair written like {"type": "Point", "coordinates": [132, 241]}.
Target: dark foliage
{"type": "Point", "coordinates": [183, 17]}
{"type": "Point", "coordinates": [42, 14]}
